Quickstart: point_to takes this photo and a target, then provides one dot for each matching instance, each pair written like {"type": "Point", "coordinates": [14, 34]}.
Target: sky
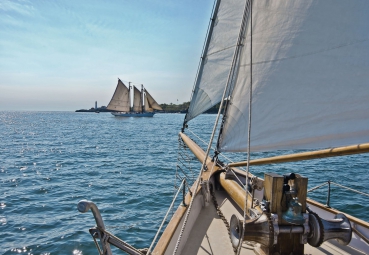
{"type": "Point", "coordinates": [64, 55]}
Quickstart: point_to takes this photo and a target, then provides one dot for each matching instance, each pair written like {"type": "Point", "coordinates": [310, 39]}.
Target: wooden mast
{"type": "Point", "coordinates": [141, 99]}
{"type": "Point", "coordinates": [334, 152]}
{"type": "Point", "coordinates": [129, 96]}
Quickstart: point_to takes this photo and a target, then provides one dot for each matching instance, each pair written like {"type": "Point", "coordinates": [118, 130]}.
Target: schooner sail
{"type": "Point", "coordinates": [121, 99]}
{"type": "Point", "coordinates": [137, 100]}
{"type": "Point", "coordinates": [150, 103]}
{"type": "Point", "coordinates": [120, 103]}
{"type": "Point", "coordinates": [310, 79]}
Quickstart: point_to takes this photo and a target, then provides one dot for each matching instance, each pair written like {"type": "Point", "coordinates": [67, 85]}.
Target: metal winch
{"type": "Point", "coordinates": [286, 223]}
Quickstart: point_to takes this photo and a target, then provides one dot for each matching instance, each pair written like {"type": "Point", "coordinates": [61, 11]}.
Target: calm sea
{"type": "Point", "coordinates": [51, 160]}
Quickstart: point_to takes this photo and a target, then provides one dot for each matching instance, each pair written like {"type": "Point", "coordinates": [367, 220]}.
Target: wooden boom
{"type": "Point", "coordinates": [334, 152]}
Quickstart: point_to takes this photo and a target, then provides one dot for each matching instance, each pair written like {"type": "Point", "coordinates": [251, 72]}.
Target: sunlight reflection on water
{"type": "Point", "coordinates": [52, 160]}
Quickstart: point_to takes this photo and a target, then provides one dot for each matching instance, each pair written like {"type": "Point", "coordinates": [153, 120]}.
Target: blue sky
{"type": "Point", "coordinates": [65, 55]}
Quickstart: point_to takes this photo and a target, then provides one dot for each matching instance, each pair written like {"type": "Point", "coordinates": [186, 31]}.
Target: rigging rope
{"type": "Point", "coordinates": [166, 215]}
{"type": "Point", "coordinates": [185, 161]}
{"type": "Point", "coordinates": [203, 167]}
{"type": "Point", "coordinates": [190, 205]}
{"type": "Point", "coordinates": [317, 187]}
{"type": "Point", "coordinates": [354, 190]}
{"type": "Point", "coordinates": [362, 193]}
{"type": "Point", "coordinates": [219, 154]}
{"type": "Point", "coordinates": [248, 7]}
{"type": "Point", "coordinates": [204, 142]}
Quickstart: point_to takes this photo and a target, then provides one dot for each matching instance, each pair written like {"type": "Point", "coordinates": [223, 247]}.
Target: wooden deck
{"type": "Point", "coordinates": [210, 236]}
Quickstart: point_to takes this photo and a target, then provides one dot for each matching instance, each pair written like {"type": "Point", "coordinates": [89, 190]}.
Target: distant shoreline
{"type": "Point", "coordinates": [105, 110]}
{"type": "Point", "coordinates": [167, 108]}
{"type": "Point", "coordinates": [94, 110]}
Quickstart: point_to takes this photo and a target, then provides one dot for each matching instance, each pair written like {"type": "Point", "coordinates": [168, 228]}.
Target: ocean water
{"type": "Point", "coordinates": [49, 161]}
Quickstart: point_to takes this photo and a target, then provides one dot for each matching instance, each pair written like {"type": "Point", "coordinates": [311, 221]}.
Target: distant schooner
{"type": "Point", "coordinates": [120, 103]}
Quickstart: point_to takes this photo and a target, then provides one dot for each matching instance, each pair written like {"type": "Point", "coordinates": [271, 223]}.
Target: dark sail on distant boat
{"type": "Point", "coordinates": [143, 103]}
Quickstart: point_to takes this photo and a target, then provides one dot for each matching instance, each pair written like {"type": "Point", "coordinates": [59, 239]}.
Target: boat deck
{"type": "Point", "coordinates": [209, 234]}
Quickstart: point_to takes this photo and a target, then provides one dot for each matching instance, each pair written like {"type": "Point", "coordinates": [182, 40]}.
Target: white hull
{"type": "Point", "coordinates": [133, 114]}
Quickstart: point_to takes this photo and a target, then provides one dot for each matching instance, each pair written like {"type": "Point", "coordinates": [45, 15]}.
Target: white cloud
{"type": "Point", "coordinates": [22, 7]}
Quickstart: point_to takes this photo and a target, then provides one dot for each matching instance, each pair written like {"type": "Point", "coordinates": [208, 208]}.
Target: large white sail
{"type": "Point", "coordinates": [137, 100]}
{"type": "Point", "coordinates": [121, 99]}
{"type": "Point", "coordinates": [151, 103]}
{"type": "Point", "coordinates": [217, 56]}
{"type": "Point", "coordinates": [310, 77]}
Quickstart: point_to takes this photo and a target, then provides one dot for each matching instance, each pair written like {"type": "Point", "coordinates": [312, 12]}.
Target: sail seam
{"type": "Point", "coordinates": [221, 50]}
{"type": "Point", "coordinates": [307, 54]}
